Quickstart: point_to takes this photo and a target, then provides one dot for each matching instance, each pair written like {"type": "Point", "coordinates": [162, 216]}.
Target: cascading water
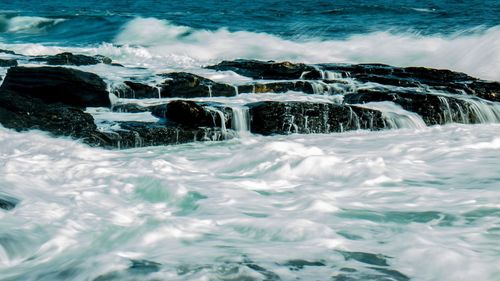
{"type": "Point", "coordinates": [241, 119]}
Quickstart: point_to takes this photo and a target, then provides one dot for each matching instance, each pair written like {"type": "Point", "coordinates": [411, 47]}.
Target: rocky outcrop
{"type": "Point", "coordinates": [9, 52]}
{"type": "Point", "coordinates": [72, 59]}
{"type": "Point", "coordinates": [187, 85]}
{"type": "Point", "coordinates": [134, 90]}
{"type": "Point", "coordinates": [278, 87]}
{"type": "Point", "coordinates": [8, 63]}
{"type": "Point", "coordinates": [58, 85]}
{"type": "Point", "coordinates": [269, 117]}
{"type": "Point", "coordinates": [270, 70]}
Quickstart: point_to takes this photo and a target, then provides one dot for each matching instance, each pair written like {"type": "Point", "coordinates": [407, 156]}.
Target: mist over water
{"type": "Point", "coordinates": [413, 203]}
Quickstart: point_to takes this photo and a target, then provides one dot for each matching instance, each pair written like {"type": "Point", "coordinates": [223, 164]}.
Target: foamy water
{"type": "Point", "coordinates": [212, 211]}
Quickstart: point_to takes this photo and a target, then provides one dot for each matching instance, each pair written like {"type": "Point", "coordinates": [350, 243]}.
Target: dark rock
{"type": "Point", "coordinates": [134, 90]}
{"type": "Point", "coordinates": [23, 113]}
{"type": "Point", "coordinates": [130, 108]}
{"type": "Point", "coordinates": [8, 63]}
{"type": "Point", "coordinates": [270, 117]}
{"type": "Point", "coordinates": [485, 90]}
{"type": "Point", "coordinates": [7, 52]}
{"type": "Point", "coordinates": [187, 113]}
{"type": "Point", "coordinates": [433, 109]}
{"type": "Point", "coordinates": [278, 87]}
{"type": "Point", "coordinates": [187, 85]}
{"type": "Point", "coordinates": [8, 203]}
{"type": "Point", "coordinates": [367, 258]}
{"type": "Point", "coordinates": [267, 70]}
{"type": "Point", "coordinates": [139, 134]}
{"type": "Point", "coordinates": [58, 85]}
{"type": "Point", "coordinates": [300, 264]}
{"type": "Point", "coordinates": [72, 59]}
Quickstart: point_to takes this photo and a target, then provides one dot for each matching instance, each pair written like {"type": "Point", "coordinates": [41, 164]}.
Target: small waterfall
{"type": "Point", "coordinates": [448, 115]}
{"type": "Point", "coordinates": [236, 91]}
{"type": "Point", "coordinates": [158, 89]}
{"type": "Point", "coordinates": [317, 87]}
{"type": "Point", "coordinates": [395, 117]}
{"type": "Point", "coordinates": [241, 119]}
{"type": "Point", "coordinates": [209, 90]}
{"type": "Point", "coordinates": [216, 112]}
{"type": "Point", "coordinates": [353, 119]}
{"type": "Point", "coordinates": [483, 111]}
{"type": "Point", "coordinates": [330, 75]}
{"type": "Point", "coordinates": [467, 110]}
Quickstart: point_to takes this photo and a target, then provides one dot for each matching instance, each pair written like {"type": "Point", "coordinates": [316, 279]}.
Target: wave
{"type": "Point", "coordinates": [26, 24]}
{"type": "Point", "coordinates": [159, 44]}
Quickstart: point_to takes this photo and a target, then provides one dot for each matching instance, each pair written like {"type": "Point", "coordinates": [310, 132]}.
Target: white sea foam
{"type": "Point", "coordinates": [205, 210]}
{"type": "Point", "coordinates": [161, 45]}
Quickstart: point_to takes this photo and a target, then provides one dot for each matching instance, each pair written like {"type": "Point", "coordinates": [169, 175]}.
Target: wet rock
{"type": "Point", "coordinates": [267, 70]}
{"type": "Point", "coordinates": [485, 90]}
{"type": "Point", "coordinates": [8, 203]}
{"type": "Point", "coordinates": [21, 113]}
{"type": "Point", "coordinates": [187, 85]}
{"type": "Point", "coordinates": [192, 114]}
{"type": "Point", "coordinates": [134, 90]}
{"type": "Point", "coordinates": [9, 52]}
{"type": "Point", "coordinates": [300, 264]}
{"type": "Point", "coordinates": [58, 85]}
{"type": "Point", "coordinates": [270, 117]}
{"type": "Point", "coordinates": [433, 109]}
{"type": "Point", "coordinates": [139, 134]}
{"type": "Point", "coordinates": [130, 108]}
{"type": "Point", "coordinates": [73, 59]}
{"type": "Point", "coordinates": [278, 87]}
{"type": "Point", "coordinates": [367, 258]}
{"type": "Point", "coordinates": [8, 63]}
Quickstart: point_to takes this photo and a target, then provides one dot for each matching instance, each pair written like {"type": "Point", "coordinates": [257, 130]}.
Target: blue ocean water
{"type": "Point", "coordinates": [90, 22]}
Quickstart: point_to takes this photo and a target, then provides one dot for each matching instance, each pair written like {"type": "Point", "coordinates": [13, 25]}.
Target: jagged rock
{"type": "Point", "coordinates": [278, 87]}
{"type": "Point", "coordinates": [268, 70]}
{"type": "Point", "coordinates": [21, 113]}
{"type": "Point", "coordinates": [134, 90]}
{"type": "Point", "coordinates": [439, 79]}
{"type": "Point", "coordinates": [433, 109]}
{"type": "Point", "coordinates": [271, 117]}
{"type": "Point", "coordinates": [7, 63]}
{"type": "Point", "coordinates": [8, 203]}
{"type": "Point", "coordinates": [58, 85]}
{"type": "Point", "coordinates": [72, 59]}
{"type": "Point", "coordinates": [187, 85]}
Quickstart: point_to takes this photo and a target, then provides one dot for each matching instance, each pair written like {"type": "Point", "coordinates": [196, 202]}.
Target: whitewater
{"type": "Point", "coordinates": [410, 203]}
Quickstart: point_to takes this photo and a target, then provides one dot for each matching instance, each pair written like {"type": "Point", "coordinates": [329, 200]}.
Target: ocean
{"type": "Point", "coordinates": [414, 203]}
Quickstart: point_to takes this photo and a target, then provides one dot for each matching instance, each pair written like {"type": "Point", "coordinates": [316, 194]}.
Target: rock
{"type": "Point", "coordinates": [187, 85]}
{"type": "Point", "coordinates": [58, 85]}
{"type": "Point", "coordinates": [139, 134]}
{"type": "Point", "coordinates": [187, 113]}
{"type": "Point", "coordinates": [433, 109]}
{"type": "Point", "coordinates": [23, 113]}
{"type": "Point", "coordinates": [278, 87]}
{"type": "Point", "coordinates": [8, 203]}
{"type": "Point", "coordinates": [485, 90]}
{"type": "Point", "coordinates": [272, 117]}
{"type": "Point", "coordinates": [72, 59]}
{"type": "Point", "coordinates": [9, 52]}
{"type": "Point", "coordinates": [134, 90]}
{"type": "Point", "coordinates": [8, 63]}
{"type": "Point", "coordinates": [267, 70]}
{"type": "Point", "coordinates": [130, 108]}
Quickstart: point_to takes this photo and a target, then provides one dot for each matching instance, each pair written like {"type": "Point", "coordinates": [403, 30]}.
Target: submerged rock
{"type": "Point", "coordinates": [187, 85]}
{"type": "Point", "coordinates": [58, 85]}
{"type": "Point", "coordinates": [73, 59]}
{"type": "Point", "coordinates": [267, 70]}
{"type": "Point", "coordinates": [8, 203]}
{"type": "Point", "coordinates": [134, 90]}
{"type": "Point", "coordinates": [8, 63]}
{"type": "Point", "coordinates": [271, 117]}
{"type": "Point", "coordinates": [9, 52]}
